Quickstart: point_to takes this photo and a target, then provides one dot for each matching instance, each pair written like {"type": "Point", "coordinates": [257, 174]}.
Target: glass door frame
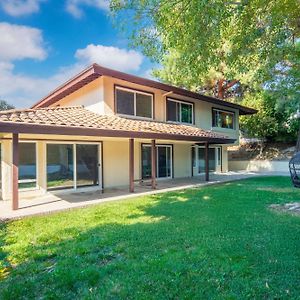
{"type": "Point", "coordinates": [100, 164]}
{"type": "Point", "coordinates": [170, 146]}
{"type": "Point", "coordinates": [218, 159]}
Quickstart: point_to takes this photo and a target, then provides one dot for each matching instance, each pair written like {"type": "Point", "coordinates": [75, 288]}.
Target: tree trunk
{"type": "Point", "coordinates": [223, 86]}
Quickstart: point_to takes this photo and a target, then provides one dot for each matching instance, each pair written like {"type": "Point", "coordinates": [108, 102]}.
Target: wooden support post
{"type": "Point", "coordinates": [131, 165]}
{"type": "Point", "coordinates": [153, 164]}
{"type": "Point", "coordinates": [206, 162]}
{"type": "Point", "coordinates": [15, 171]}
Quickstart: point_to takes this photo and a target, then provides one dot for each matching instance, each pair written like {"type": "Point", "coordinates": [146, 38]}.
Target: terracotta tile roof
{"type": "Point", "coordinates": [79, 117]}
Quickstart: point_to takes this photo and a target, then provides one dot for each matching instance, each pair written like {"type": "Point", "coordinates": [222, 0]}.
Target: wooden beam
{"type": "Point", "coordinates": [15, 171]}
{"type": "Point", "coordinates": [206, 162]}
{"type": "Point", "coordinates": [153, 164]}
{"type": "Point", "coordinates": [131, 165]}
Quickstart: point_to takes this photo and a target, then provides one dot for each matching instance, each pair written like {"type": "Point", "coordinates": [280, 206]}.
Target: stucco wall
{"type": "Point", "coordinates": [115, 163]}
{"type": "Point", "coordinates": [98, 96]}
{"type": "Point", "coordinates": [90, 96]}
{"type": "Point", "coordinates": [263, 166]}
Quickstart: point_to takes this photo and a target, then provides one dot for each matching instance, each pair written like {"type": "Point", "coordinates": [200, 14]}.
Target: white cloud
{"type": "Point", "coordinates": [113, 57]}
{"type": "Point", "coordinates": [22, 90]}
{"type": "Point", "coordinates": [17, 8]}
{"type": "Point", "coordinates": [19, 42]}
{"type": "Point", "coordinates": [74, 7]}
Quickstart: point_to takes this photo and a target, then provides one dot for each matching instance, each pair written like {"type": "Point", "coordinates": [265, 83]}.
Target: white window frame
{"type": "Point", "coordinates": [218, 159]}
{"type": "Point", "coordinates": [180, 117]}
{"type": "Point", "coordinates": [135, 92]}
{"type": "Point", "coordinates": [227, 112]}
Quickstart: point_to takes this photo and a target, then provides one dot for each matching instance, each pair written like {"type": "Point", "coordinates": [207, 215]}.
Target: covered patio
{"type": "Point", "coordinates": [81, 125]}
{"type": "Point", "coordinates": [62, 200]}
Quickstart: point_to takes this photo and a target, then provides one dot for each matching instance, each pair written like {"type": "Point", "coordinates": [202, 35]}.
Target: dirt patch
{"type": "Point", "coordinates": [292, 208]}
{"type": "Point", "coordinates": [271, 151]}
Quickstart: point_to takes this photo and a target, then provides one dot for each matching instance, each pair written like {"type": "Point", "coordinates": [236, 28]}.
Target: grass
{"type": "Point", "coordinates": [217, 242]}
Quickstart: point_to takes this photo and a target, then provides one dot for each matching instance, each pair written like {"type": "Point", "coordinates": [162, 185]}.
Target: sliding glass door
{"type": "Point", "coordinates": [163, 161]}
{"type": "Point", "coordinates": [214, 159]}
{"type": "Point", "coordinates": [87, 168]}
{"type": "Point", "coordinates": [60, 166]}
{"type": "Point", "coordinates": [72, 165]}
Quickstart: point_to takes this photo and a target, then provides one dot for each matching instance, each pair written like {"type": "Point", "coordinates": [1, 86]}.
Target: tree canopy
{"type": "Point", "coordinates": [5, 106]}
{"type": "Point", "coordinates": [229, 49]}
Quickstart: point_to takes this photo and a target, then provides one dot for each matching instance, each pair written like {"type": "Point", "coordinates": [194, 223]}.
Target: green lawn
{"type": "Point", "coordinates": [217, 242]}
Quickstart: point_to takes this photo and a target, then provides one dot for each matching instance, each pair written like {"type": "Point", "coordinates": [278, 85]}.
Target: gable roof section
{"type": "Point", "coordinates": [76, 120]}
{"type": "Point", "coordinates": [96, 71]}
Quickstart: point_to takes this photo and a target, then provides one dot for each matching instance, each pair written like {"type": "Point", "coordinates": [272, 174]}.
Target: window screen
{"type": "Point", "coordinates": [125, 102]}
{"type": "Point", "coordinates": [143, 105]}
{"type": "Point", "coordinates": [179, 111]}
{"type": "Point", "coordinates": [134, 103]}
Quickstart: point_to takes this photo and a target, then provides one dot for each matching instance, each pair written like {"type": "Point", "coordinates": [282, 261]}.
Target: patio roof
{"type": "Point", "coordinates": [95, 71]}
{"type": "Point", "coordinates": [76, 120]}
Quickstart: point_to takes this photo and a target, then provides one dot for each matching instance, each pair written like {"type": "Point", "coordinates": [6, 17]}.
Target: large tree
{"type": "Point", "coordinates": [247, 51]}
{"type": "Point", "coordinates": [219, 47]}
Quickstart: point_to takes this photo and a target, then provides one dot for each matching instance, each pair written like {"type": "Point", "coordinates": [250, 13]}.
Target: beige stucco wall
{"type": "Point", "coordinates": [115, 162]}
{"type": "Point", "coordinates": [182, 160]}
{"type": "Point", "coordinates": [90, 96]}
{"type": "Point", "coordinates": [98, 96]}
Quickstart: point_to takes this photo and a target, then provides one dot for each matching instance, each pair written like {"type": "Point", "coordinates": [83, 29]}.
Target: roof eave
{"type": "Point", "coordinates": [23, 128]}
{"type": "Point", "coordinates": [94, 71]}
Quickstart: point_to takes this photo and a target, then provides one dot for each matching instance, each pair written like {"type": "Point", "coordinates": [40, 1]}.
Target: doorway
{"type": "Point", "coordinates": [214, 159]}
{"type": "Point", "coordinates": [164, 161]}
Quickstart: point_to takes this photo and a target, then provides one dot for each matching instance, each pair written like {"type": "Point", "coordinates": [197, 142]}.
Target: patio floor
{"type": "Point", "coordinates": [50, 202]}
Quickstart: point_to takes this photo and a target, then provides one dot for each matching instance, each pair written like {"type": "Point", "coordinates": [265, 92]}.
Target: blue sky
{"type": "Point", "coordinates": [45, 42]}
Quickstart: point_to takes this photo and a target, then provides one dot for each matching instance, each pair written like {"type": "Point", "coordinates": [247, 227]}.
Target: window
{"type": "Point", "coordinates": [27, 165]}
{"type": "Point", "coordinates": [179, 111]}
{"type": "Point", "coordinates": [59, 166]}
{"type": "Point", "coordinates": [134, 103]}
{"type": "Point", "coordinates": [222, 119]}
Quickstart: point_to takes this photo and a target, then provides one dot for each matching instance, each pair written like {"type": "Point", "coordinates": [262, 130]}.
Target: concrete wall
{"type": "Point", "coordinates": [259, 166]}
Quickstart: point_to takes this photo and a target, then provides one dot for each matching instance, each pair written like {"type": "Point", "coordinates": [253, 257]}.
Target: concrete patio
{"type": "Point", "coordinates": [53, 202]}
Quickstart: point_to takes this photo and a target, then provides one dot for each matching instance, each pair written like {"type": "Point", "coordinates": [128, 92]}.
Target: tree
{"type": "Point", "coordinates": [220, 47]}
{"type": "Point", "coordinates": [5, 106]}
{"type": "Point", "coordinates": [245, 51]}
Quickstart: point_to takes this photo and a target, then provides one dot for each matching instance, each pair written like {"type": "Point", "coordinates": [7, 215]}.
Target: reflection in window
{"type": "Point", "coordinates": [87, 165]}
{"type": "Point", "coordinates": [222, 119]}
{"type": "Point", "coordinates": [59, 166]}
{"type": "Point", "coordinates": [179, 111]}
{"type": "Point", "coordinates": [134, 103]}
{"type": "Point", "coordinates": [27, 165]}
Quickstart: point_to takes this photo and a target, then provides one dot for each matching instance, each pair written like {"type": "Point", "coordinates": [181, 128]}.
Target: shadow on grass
{"type": "Point", "coordinates": [214, 242]}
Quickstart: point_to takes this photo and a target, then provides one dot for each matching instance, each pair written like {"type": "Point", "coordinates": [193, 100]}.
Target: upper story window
{"type": "Point", "coordinates": [134, 103]}
{"type": "Point", "coordinates": [222, 119]}
{"type": "Point", "coordinates": [180, 111]}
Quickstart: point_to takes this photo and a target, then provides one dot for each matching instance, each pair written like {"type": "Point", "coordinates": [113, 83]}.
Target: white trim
{"type": "Point", "coordinates": [196, 152]}
{"type": "Point", "coordinates": [180, 116]}
{"type": "Point", "coordinates": [75, 166]}
{"type": "Point", "coordinates": [135, 92]}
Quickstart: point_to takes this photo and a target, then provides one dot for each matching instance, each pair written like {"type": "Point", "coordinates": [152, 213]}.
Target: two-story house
{"type": "Point", "coordinates": [105, 128]}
